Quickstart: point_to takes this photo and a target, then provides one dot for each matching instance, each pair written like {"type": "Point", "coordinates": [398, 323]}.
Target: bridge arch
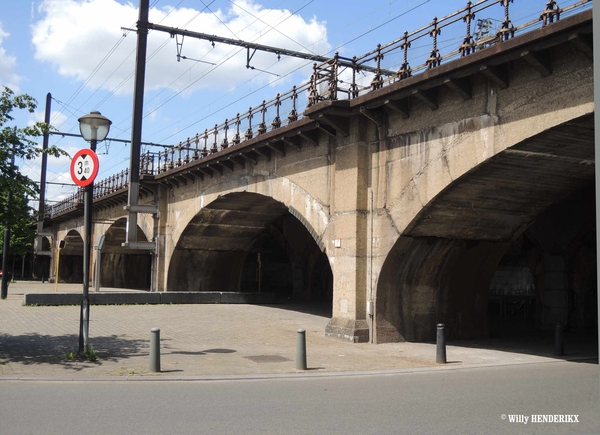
{"type": "Point", "coordinates": [70, 266]}
{"type": "Point", "coordinates": [124, 267]}
{"type": "Point", "coordinates": [306, 207]}
{"type": "Point", "coordinates": [245, 241]}
{"type": "Point", "coordinates": [534, 198]}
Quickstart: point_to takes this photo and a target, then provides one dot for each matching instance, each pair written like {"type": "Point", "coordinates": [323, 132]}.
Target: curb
{"type": "Point", "coordinates": [301, 375]}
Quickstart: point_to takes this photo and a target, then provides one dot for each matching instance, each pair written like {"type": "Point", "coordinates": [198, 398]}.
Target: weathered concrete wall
{"type": "Point", "coordinates": [281, 179]}
{"type": "Point", "coordinates": [121, 268]}
{"type": "Point", "coordinates": [452, 188]}
{"type": "Point", "coordinates": [428, 152]}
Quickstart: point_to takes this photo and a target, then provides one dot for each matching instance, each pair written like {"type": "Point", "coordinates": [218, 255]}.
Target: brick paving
{"type": "Point", "coordinates": [211, 341]}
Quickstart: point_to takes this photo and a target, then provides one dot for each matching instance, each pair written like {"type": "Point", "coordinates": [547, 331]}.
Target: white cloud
{"type": "Point", "coordinates": [8, 76]}
{"type": "Point", "coordinates": [75, 37]}
{"type": "Point", "coordinates": [56, 118]}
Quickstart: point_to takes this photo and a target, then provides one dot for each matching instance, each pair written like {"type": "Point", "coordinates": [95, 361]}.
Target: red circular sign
{"type": "Point", "coordinates": [84, 167]}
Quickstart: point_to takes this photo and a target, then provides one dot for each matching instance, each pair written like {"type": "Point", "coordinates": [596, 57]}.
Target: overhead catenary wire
{"type": "Point", "coordinates": [203, 75]}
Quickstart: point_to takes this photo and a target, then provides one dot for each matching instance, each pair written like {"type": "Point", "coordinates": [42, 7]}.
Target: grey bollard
{"type": "Point", "coordinates": [301, 350]}
{"type": "Point", "coordinates": [155, 350]}
{"type": "Point", "coordinates": [440, 354]}
{"type": "Point", "coordinates": [559, 345]}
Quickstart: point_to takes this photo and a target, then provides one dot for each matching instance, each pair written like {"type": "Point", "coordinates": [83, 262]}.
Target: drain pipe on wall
{"type": "Point", "coordinates": [370, 305]}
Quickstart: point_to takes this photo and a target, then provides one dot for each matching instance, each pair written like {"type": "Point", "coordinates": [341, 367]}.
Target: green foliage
{"type": "Point", "coordinates": [22, 229]}
{"type": "Point", "coordinates": [71, 355]}
{"type": "Point", "coordinates": [20, 142]}
{"type": "Point", "coordinates": [91, 354]}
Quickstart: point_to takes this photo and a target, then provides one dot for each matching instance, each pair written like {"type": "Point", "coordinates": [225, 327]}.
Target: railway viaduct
{"type": "Point", "coordinates": [419, 199]}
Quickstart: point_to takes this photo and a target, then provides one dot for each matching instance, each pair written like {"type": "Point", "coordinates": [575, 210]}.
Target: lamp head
{"type": "Point", "coordinates": [94, 126]}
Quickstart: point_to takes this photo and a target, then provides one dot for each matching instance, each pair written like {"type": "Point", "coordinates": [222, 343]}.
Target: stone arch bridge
{"type": "Point", "coordinates": [463, 195]}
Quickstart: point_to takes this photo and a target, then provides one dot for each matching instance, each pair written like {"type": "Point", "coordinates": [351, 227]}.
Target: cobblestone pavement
{"type": "Point", "coordinates": [214, 341]}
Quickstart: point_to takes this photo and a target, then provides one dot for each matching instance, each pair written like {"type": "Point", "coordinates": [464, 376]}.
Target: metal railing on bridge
{"type": "Point", "coordinates": [331, 81]}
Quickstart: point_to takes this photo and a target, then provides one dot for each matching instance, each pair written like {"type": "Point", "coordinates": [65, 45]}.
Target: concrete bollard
{"type": "Point", "coordinates": [155, 350]}
{"type": "Point", "coordinates": [440, 354]}
{"type": "Point", "coordinates": [559, 345]}
{"type": "Point", "coordinates": [301, 350]}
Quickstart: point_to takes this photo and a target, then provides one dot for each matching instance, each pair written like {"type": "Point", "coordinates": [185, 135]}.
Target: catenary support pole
{"type": "Point", "coordinates": [42, 203]}
{"type": "Point", "coordinates": [136, 127]}
{"type": "Point", "coordinates": [596, 41]}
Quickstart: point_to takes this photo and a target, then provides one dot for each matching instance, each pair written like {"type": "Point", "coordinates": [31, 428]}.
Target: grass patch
{"type": "Point", "coordinates": [89, 354]}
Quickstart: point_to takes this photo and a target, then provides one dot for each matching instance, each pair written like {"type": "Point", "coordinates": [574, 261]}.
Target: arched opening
{"type": "Point", "coordinates": [548, 275]}
{"type": "Point", "coordinates": [70, 266]}
{"type": "Point", "coordinates": [41, 261]}
{"type": "Point", "coordinates": [246, 242]}
{"type": "Point", "coordinates": [508, 247]}
{"type": "Point", "coordinates": [124, 267]}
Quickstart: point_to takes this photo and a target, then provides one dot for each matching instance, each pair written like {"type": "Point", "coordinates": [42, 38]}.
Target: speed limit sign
{"type": "Point", "coordinates": [84, 167]}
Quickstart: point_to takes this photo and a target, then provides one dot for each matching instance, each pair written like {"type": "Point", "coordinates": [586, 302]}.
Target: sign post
{"type": "Point", "coordinates": [84, 168]}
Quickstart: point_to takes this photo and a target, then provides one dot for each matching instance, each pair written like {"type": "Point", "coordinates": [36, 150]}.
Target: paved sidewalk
{"type": "Point", "coordinates": [215, 341]}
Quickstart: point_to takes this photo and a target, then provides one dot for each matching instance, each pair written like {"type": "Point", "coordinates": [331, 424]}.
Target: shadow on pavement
{"type": "Point", "coordinates": [200, 352]}
{"type": "Point", "coordinates": [30, 349]}
{"type": "Point", "coordinates": [316, 308]}
{"type": "Point", "coordinates": [577, 347]}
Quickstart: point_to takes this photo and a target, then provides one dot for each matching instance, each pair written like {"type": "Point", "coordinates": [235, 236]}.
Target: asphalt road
{"type": "Point", "coordinates": [462, 401]}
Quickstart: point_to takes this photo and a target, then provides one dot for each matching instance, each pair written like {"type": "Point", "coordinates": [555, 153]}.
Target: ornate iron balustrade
{"type": "Point", "coordinates": [102, 188]}
{"type": "Point", "coordinates": [330, 81]}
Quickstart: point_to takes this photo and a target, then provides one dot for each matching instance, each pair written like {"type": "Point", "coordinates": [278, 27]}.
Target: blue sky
{"type": "Point", "coordinates": [75, 49]}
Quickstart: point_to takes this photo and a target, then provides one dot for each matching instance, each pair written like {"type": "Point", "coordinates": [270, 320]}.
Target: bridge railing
{"type": "Point", "coordinates": [335, 80]}
{"type": "Point", "coordinates": [102, 188]}
{"type": "Point", "coordinates": [332, 81]}
{"type": "Point", "coordinates": [284, 109]}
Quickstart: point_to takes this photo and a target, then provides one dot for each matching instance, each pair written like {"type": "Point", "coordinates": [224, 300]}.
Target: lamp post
{"type": "Point", "coordinates": [94, 128]}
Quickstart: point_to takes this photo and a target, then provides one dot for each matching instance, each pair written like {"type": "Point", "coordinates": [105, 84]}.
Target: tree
{"type": "Point", "coordinates": [21, 143]}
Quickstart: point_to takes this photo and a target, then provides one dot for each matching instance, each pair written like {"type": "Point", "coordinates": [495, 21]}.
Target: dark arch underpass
{"type": "Point", "coordinates": [511, 244]}
{"type": "Point", "coordinates": [124, 267]}
{"type": "Point", "coordinates": [70, 266]}
{"type": "Point", "coordinates": [246, 242]}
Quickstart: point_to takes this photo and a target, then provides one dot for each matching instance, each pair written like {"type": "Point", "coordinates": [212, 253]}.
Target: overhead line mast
{"type": "Point", "coordinates": [143, 26]}
{"type": "Point", "coordinates": [342, 61]}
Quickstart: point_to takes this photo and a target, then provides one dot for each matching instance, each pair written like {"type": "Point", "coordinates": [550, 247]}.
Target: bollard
{"type": "Point", "coordinates": [559, 345]}
{"type": "Point", "coordinates": [301, 350]}
{"type": "Point", "coordinates": [440, 354]}
{"type": "Point", "coordinates": [155, 350]}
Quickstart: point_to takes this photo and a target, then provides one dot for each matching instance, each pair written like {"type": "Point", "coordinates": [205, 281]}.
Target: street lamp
{"type": "Point", "coordinates": [94, 128]}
